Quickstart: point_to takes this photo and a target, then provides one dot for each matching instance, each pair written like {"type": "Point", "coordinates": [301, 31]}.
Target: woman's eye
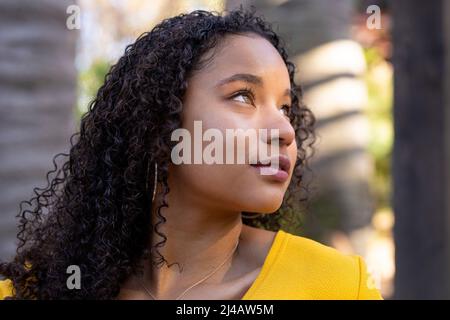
{"type": "Point", "coordinates": [243, 97]}
{"type": "Point", "coordinates": [286, 110]}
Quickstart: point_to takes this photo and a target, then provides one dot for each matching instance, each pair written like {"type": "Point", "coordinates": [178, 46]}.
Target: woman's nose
{"type": "Point", "coordinates": [279, 128]}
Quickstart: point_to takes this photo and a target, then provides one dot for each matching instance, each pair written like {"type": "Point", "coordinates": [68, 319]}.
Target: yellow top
{"type": "Point", "coordinates": [298, 268]}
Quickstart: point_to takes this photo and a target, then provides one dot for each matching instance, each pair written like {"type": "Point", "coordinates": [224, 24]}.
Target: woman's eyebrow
{"type": "Point", "coordinates": [250, 78]}
{"type": "Point", "coordinates": [246, 77]}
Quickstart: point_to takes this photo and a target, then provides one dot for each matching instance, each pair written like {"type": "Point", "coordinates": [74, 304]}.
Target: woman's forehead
{"type": "Point", "coordinates": [244, 54]}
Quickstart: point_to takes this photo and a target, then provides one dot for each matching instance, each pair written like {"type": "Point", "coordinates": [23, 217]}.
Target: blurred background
{"type": "Point", "coordinates": [375, 73]}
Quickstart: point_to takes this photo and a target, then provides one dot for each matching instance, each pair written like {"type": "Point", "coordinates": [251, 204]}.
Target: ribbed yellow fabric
{"type": "Point", "coordinates": [299, 268]}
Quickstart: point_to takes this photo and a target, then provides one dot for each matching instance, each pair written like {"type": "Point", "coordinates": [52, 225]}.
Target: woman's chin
{"type": "Point", "coordinates": [266, 205]}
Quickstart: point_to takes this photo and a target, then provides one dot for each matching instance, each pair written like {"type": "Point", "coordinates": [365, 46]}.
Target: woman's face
{"type": "Point", "coordinates": [245, 86]}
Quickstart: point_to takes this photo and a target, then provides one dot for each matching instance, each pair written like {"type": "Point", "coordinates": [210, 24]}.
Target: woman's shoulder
{"type": "Point", "coordinates": [315, 271]}
{"type": "Point", "coordinates": [316, 252]}
{"type": "Point", "coordinates": [6, 289]}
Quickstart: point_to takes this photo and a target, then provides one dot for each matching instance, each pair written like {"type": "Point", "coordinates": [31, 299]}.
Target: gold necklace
{"type": "Point", "coordinates": [196, 283]}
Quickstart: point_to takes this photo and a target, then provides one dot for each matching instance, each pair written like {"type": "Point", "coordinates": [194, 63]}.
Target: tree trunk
{"type": "Point", "coordinates": [37, 96]}
{"type": "Point", "coordinates": [421, 149]}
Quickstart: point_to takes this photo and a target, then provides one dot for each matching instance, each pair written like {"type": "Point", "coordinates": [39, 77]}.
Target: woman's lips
{"type": "Point", "coordinates": [280, 173]}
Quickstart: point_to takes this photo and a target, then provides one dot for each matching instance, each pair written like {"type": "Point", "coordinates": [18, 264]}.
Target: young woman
{"type": "Point", "coordinates": [135, 225]}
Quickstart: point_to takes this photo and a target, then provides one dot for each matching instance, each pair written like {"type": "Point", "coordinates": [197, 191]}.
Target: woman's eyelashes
{"type": "Point", "coordinates": [286, 109]}
{"type": "Point", "coordinates": [244, 93]}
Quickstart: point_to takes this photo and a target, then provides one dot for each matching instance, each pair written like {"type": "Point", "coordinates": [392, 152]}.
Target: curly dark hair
{"type": "Point", "coordinates": [95, 210]}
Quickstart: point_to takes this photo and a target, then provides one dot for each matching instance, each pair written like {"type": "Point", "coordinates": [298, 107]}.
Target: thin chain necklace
{"type": "Point", "coordinates": [196, 283]}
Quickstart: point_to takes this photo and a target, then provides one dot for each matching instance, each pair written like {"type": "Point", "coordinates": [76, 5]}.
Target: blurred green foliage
{"type": "Point", "coordinates": [379, 81]}
{"type": "Point", "coordinates": [89, 81]}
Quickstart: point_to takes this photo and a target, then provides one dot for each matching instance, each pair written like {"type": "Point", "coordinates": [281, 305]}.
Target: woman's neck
{"type": "Point", "coordinates": [198, 239]}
